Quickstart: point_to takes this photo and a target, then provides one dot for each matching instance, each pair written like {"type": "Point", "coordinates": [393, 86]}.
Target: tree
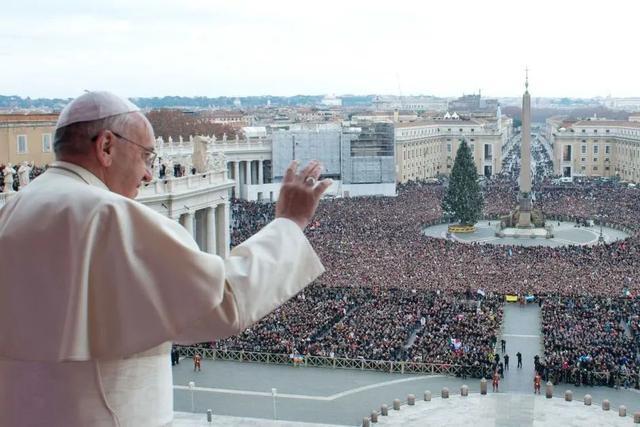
{"type": "Point", "coordinates": [464, 199]}
{"type": "Point", "coordinates": [175, 123]}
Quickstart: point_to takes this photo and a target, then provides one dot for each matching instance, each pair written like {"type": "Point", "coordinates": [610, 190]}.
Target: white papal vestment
{"type": "Point", "coordinates": [94, 287]}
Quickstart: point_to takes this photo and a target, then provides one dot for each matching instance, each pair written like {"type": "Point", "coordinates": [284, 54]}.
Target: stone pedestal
{"type": "Point", "coordinates": [374, 416]}
{"type": "Point", "coordinates": [445, 393]}
{"type": "Point", "coordinates": [427, 396]}
{"type": "Point", "coordinates": [464, 391]}
{"type": "Point", "coordinates": [384, 410]}
{"type": "Point", "coordinates": [588, 399]}
{"type": "Point", "coordinates": [396, 404]}
{"type": "Point", "coordinates": [483, 386]}
{"type": "Point", "coordinates": [622, 411]}
{"type": "Point", "coordinates": [606, 405]}
{"type": "Point", "coordinates": [568, 395]}
{"type": "Point", "coordinates": [549, 390]}
{"type": "Point", "coordinates": [411, 400]}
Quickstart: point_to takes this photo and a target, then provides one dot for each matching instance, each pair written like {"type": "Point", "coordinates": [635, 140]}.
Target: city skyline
{"type": "Point", "coordinates": [246, 48]}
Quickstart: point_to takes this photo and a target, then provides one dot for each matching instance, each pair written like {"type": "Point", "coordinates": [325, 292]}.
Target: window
{"type": "Point", "coordinates": [46, 142]}
{"type": "Point", "coordinates": [595, 168]}
{"type": "Point", "coordinates": [595, 149]}
{"type": "Point", "coordinates": [607, 149]}
{"type": "Point", "coordinates": [583, 149]}
{"type": "Point", "coordinates": [448, 148]}
{"type": "Point", "coordinates": [22, 144]}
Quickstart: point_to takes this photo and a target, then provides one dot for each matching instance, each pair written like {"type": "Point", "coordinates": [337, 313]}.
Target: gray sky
{"type": "Point", "coordinates": [241, 47]}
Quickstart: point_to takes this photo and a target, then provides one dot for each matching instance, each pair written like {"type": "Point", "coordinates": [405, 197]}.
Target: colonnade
{"type": "Point", "coordinates": [210, 228]}
{"type": "Point", "coordinates": [245, 172]}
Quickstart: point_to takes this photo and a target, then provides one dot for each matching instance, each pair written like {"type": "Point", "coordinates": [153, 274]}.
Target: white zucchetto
{"type": "Point", "coordinates": [94, 106]}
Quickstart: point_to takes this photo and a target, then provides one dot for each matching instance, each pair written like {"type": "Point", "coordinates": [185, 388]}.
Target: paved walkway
{"type": "Point", "coordinates": [521, 329]}
{"type": "Point", "coordinates": [343, 397]}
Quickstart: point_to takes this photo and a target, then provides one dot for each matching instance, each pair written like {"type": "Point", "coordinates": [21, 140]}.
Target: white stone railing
{"type": "Point", "coordinates": [165, 186]}
{"type": "Point", "coordinates": [187, 146]}
{"type": "Point", "coordinates": [173, 185]}
{"type": "Point", "coordinates": [4, 197]}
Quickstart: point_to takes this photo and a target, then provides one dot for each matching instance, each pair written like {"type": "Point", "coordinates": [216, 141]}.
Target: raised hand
{"type": "Point", "coordinates": [301, 192]}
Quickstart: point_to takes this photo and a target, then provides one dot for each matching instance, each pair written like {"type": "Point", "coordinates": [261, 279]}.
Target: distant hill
{"type": "Point", "coordinates": [539, 115]}
{"type": "Point", "coordinates": [16, 102]}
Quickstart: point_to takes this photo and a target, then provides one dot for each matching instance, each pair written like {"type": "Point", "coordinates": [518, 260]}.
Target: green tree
{"type": "Point", "coordinates": [464, 198]}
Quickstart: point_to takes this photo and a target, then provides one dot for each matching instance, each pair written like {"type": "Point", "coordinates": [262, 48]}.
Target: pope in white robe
{"type": "Point", "coordinates": [94, 288]}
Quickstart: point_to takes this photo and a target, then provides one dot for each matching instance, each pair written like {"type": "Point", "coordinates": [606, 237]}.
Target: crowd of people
{"type": "Point", "coordinates": [387, 274]}
{"type": "Point", "coordinates": [379, 324]}
{"type": "Point", "coordinates": [33, 171]}
{"type": "Point", "coordinates": [589, 341]}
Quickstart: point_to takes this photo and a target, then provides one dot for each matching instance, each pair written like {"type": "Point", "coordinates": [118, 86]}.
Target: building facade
{"type": "Point", "coordinates": [600, 148]}
{"type": "Point", "coordinates": [27, 137]}
{"type": "Point", "coordinates": [427, 148]}
{"type": "Point", "coordinates": [359, 157]}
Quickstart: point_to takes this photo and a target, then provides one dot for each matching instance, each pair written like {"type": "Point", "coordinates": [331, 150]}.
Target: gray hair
{"type": "Point", "coordinates": [76, 138]}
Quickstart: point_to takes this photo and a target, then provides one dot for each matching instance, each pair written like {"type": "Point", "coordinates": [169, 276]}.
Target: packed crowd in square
{"type": "Point", "coordinates": [392, 293]}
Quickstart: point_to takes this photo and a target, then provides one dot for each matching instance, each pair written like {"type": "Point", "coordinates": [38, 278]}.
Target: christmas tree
{"type": "Point", "coordinates": [464, 200]}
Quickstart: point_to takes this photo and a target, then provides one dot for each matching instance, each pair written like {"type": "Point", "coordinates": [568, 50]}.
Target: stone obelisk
{"type": "Point", "coordinates": [524, 218]}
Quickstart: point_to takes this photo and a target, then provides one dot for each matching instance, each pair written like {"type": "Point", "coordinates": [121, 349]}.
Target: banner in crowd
{"type": "Point", "coordinates": [511, 298]}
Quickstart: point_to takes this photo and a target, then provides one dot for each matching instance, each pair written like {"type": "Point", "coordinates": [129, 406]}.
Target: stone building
{"type": "Point", "coordinates": [602, 148]}
{"type": "Point", "coordinates": [27, 137]}
{"type": "Point", "coordinates": [427, 148]}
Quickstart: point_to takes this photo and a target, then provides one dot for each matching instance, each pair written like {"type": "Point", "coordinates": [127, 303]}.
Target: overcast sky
{"type": "Point", "coordinates": [241, 47]}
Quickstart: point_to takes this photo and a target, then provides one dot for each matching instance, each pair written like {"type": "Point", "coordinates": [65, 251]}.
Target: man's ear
{"type": "Point", "coordinates": [104, 148]}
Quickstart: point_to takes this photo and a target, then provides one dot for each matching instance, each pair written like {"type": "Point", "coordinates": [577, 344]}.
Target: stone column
{"type": "Point", "coordinates": [260, 171]}
{"type": "Point", "coordinates": [236, 178]}
{"type": "Point", "coordinates": [223, 238]}
{"type": "Point", "coordinates": [187, 222]}
{"type": "Point", "coordinates": [247, 172]}
{"type": "Point", "coordinates": [211, 230]}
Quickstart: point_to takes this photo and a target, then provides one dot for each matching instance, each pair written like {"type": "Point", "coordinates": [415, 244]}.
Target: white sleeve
{"type": "Point", "coordinates": [261, 274]}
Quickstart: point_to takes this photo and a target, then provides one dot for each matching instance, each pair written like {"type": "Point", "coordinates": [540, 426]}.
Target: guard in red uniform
{"type": "Point", "coordinates": [496, 380]}
{"type": "Point", "coordinates": [536, 383]}
{"type": "Point", "coordinates": [196, 362]}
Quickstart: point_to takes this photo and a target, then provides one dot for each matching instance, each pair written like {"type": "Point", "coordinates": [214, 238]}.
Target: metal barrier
{"type": "Point", "coordinates": [403, 367]}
